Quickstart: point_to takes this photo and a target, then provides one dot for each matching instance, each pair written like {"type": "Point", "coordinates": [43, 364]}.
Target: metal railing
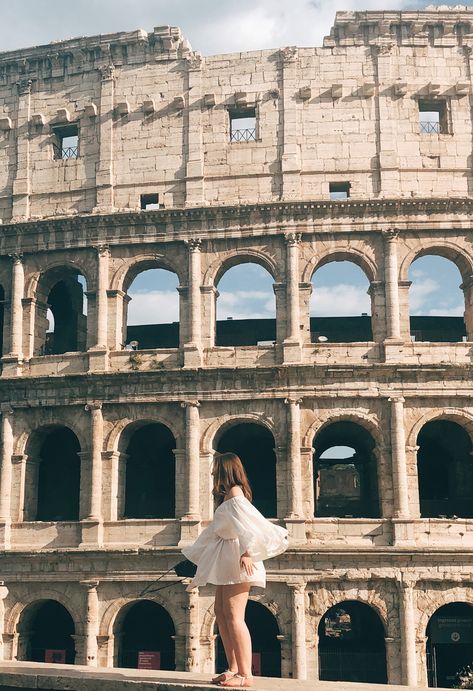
{"type": "Point", "coordinates": [429, 127]}
{"type": "Point", "coordinates": [246, 135]}
{"type": "Point", "coordinates": [64, 152]}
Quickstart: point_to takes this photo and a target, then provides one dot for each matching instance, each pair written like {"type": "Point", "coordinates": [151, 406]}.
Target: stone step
{"type": "Point", "coordinates": [36, 675]}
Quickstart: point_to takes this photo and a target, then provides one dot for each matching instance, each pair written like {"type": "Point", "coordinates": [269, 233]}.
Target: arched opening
{"type": "Point", "coordinates": [246, 308]}
{"type": "Point", "coordinates": [351, 644]}
{"type": "Point", "coordinates": [445, 470]}
{"type": "Point", "coordinates": [2, 317]}
{"type": "Point", "coordinates": [150, 478]}
{"type": "Point", "coordinates": [52, 487]}
{"type": "Point", "coordinates": [345, 472]}
{"type": "Point", "coordinates": [449, 644]}
{"type": "Point", "coordinates": [266, 647]}
{"type": "Point", "coordinates": [152, 315]}
{"type": "Point", "coordinates": [61, 312]}
{"type": "Point", "coordinates": [340, 305]}
{"type": "Point", "coordinates": [46, 631]}
{"type": "Point", "coordinates": [144, 635]}
{"type": "Point", "coordinates": [254, 444]}
{"type": "Point", "coordinates": [436, 301]}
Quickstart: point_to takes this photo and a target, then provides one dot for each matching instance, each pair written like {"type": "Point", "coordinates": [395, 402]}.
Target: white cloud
{"type": "Point", "coordinates": [447, 311]}
{"type": "Point", "coordinates": [420, 292]}
{"type": "Point", "coordinates": [153, 307]}
{"type": "Point", "coordinates": [246, 304]}
{"type": "Point", "coordinates": [341, 300]}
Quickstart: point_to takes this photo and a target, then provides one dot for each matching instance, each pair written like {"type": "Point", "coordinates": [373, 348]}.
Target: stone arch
{"type": "Point", "coordinates": [327, 598]}
{"type": "Point", "coordinates": [129, 269]}
{"type": "Point", "coordinates": [348, 254]}
{"type": "Point", "coordinates": [233, 258]}
{"type": "Point", "coordinates": [447, 249]}
{"type": "Point", "coordinates": [109, 617]}
{"type": "Point", "coordinates": [439, 599]}
{"type": "Point", "coordinates": [24, 440]}
{"type": "Point", "coordinates": [461, 417]}
{"type": "Point", "coordinates": [368, 421]}
{"type": "Point", "coordinates": [225, 422]}
{"type": "Point", "coordinates": [34, 281]}
{"type": "Point", "coordinates": [112, 440]}
{"type": "Point", "coordinates": [12, 619]}
{"type": "Point", "coordinates": [208, 620]}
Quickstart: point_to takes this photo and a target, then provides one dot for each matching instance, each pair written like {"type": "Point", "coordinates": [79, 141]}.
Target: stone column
{"type": "Point", "coordinates": [92, 526]}
{"type": "Point", "coordinates": [91, 624]}
{"type": "Point", "coordinates": [22, 181]}
{"type": "Point", "coordinates": [193, 349]}
{"type": "Point", "coordinates": [16, 307]}
{"type": "Point", "coordinates": [408, 631]}
{"type": "Point", "coordinates": [467, 287]}
{"type": "Point", "coordinates": [398, 455]}
{"type": "Point", "coordinates": [191, 517]}
{"type": "Point", "coordinates": [392, 660]}
{"type": "Point", "coordinates": [290, 161]}
{"type": "Point", "coordinates": [3, 596]}
{"type": "Point", "coordinates": [104, 175]}
{"type": "Point", "coordinates": [391, 277]}
{"type": "Point", "coordinates": [193, 632]}
{"type": "Point", "coordinates": [98, 355]}
{"type": "Point", "coordinates": [299, 646]}
{"type": "Point", "coordinates": [292, 342]}
{"type": "Point", "coordinates": [6, 474]}
{"type": "Point", "coordinates": [294, 479]}
{"type": "Point", "coordinates": [195, 157]}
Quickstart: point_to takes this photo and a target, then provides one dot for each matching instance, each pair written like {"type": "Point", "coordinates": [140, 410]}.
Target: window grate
{"type": "Point", "coordinates": [430, 127]}
{"type": "Point", "coordinates": [246, 135]}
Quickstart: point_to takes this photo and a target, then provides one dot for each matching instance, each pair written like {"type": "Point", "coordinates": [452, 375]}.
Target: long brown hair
{"type": "Point", "coordinates": [228, 472]}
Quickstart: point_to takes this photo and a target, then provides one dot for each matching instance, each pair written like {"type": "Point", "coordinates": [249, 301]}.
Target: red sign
{"type": "Point", "coordinates": [256, 664]}
{"type": "Point", "coordinates": [149, 660]}
{"type": "Point", "coordinates": [55, 656]}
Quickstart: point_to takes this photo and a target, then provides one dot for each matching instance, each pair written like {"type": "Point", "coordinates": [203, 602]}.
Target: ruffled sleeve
{"type": "Point", "coordinates": [256, 535]}
{"type": "Point", "coordinates": [195, 551]}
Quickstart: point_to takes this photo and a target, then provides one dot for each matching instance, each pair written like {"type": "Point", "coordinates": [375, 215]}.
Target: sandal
{"type": "Point", "coordinates": [238, 681]}
{"type": "Point", "coordinates": [224, 676]}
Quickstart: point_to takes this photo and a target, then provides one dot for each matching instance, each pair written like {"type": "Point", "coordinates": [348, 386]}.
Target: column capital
{"type": "Point", "coordinates": [6, 409]}
{"type": "Point", "coordinates": [397, 399]}
{"type": "Point", "coordinates": [406, 581]}
{"type": "Point", "coordinates": [107, 72]}
{"type": "Point", "coordinates": [295, 400]}
{"type": "Point", "coordinates": [390, 234]}
{"type": "Point", "coordinates": [292, 239]}
{"type": "Point", "coordinates": [190, 404]}
{"type": "Point", "coordinates": [90, 585]}
{"type": "Point", "coordinates": [102, 250]}
{"type": "Point", "coordinates": [193, 244]}
{"type": "Point", "coordinates": [16, 257]}
{"type": "Point", "coordinates": [297, 586]}
{"type": "Point", "coordinates": [24, 86]}
{"type": "Point", "coordinates": [93, 405]}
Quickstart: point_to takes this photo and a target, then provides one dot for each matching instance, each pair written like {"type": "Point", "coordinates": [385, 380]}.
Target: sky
{"type": "Point", "coordinates": [220, 26]}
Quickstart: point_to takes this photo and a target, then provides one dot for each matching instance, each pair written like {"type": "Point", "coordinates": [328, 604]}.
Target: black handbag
{"type": "Point", "coordinates": [185, 569]}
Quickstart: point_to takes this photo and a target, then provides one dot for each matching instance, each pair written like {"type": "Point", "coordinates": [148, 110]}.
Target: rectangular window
{"type": "Point", "coordinates": [339, 190]}
{"type": "Point", "coordinates": [433, 117]}
{"type": "Point", "coordinates": [149, 202]}
{"type": "Point", "coordinates": [243, 125]}
{"type": "Point", "coordinates": [66, 142]}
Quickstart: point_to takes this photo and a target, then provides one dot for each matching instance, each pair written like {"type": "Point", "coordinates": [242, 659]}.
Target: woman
{"type": "Point", "coordinates": [229, 553]}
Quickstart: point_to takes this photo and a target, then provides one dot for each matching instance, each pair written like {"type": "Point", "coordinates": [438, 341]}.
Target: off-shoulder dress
{"type": "Point", "coordinates": [237, 527]}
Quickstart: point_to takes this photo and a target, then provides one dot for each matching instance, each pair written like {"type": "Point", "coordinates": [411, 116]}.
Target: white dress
{"type": "Point", "coordinates": [237, 527]}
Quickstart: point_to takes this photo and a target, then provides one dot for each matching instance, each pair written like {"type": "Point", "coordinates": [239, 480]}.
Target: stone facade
{"type": "Point", "coordinates": [152, 118]}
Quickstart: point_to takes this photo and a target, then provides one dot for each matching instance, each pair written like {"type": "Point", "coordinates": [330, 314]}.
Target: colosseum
{"type": "Point", "coordinates": [130, 152]}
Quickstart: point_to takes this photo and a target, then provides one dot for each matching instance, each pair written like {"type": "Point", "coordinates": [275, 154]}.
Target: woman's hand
{"type": "Point", "coordinates": [246, 563]}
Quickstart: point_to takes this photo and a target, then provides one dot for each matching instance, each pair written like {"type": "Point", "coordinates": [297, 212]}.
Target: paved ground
{"type": "Point", "coordinates": [33, 675]}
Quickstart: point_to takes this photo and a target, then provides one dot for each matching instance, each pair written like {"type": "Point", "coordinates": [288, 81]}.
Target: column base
{"type": "Point", "coordinates": [393, 349]}
{"type": "Point", "coordinates": [291, 352]}
{"type": "Point", "coordinates": [98, 359]}
{"type": "Point", "coordinates": [403, 532]}
{"type": "Point", "coordinates": [296, 529]}
{"type": "Point", "coordinates": [5, 534]}
{"type": "Point", "coordinates": [91, 533]}
{"type": "Point", "coordinates": [190, 529]}
{"type": "Point", "coordinates": [192, 356]}
{"type": "Point", "coordinates": [12, 366]}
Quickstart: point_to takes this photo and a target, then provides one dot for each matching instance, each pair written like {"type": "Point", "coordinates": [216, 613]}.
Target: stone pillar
{"type": "Point", "coordinates": [191, 517]}
{"type": "Point", "coordinates": [11, 361]}
{"type": "Point", "coordinates": [91, 624]}
{"type": "Point", "coordinates": [402, 525]}
{"type": "Point", "coordinates": [193, 349]}
{"type": "Point", "coordinates": [98, 355]}
{"type": "Point", "coordinates": [392, 660]}
{"type": "Point", "coordinates": [104, 175]}
{"type": "Point", "coordinates": [291, 160]}
{"type": "Point", "coordinates": [22, 181]}
{"type": "Point", "coordinates": [467, 287]}
{"type": "Point", "coordinates": [408, 631]}
{"type": "Point", "coordinates": [92, 526]}
{"type": "Point", "coordinates": [3, 596]}
{"type": "Point", "coordinates": [391, 273]}
{"type": "Point", "coordinates": [193, 632]}
{"type": "Point", "coordinates": [294, 479]}
{"type": "Point", "coordinates": [292, 342]}
{"type": "Point", "coordinates": [299, 645]}
{"type": "Point", "coordinates": [6, 474]}
{"type": "Point", "coordinates": [195, 157]}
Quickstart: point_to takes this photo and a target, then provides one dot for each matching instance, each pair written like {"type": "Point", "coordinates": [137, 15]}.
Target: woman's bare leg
{"type": "Point", "coordinates": [234, 599]}
{"type": "Point", "coordinates": [223, 630]}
